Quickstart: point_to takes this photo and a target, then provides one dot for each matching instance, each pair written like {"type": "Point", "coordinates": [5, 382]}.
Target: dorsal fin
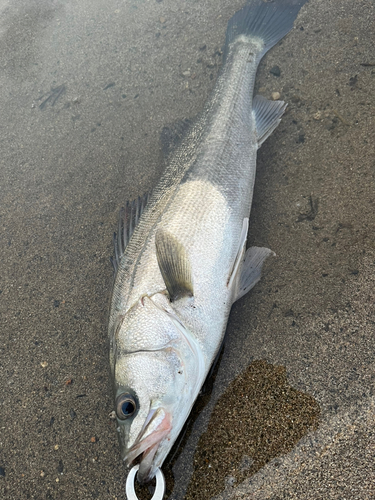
{"type": "Point", "coordinates": [127, 221]}
{"type": "Point", "coordinates": [174, 265]}
{"type": "Point", "coordinates": [172, 135]}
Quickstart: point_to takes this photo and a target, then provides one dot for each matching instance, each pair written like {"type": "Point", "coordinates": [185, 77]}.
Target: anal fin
{"type": "Point", "coordinates": [267, 116]}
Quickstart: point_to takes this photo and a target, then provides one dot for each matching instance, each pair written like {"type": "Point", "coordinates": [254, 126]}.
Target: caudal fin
{"type": "Point", "coordinates": [267, 21]}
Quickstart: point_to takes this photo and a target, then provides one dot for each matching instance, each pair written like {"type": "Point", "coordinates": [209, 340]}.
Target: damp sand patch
{"type": "Point", "coordinates": [258, 418]}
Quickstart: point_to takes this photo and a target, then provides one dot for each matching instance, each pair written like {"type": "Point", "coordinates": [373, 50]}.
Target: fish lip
{"type": "Point", "coordinates": [156, 428]}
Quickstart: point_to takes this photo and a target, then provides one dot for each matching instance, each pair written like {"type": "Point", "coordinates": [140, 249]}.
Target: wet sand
{"type": "Point", "coordinates": [256, 419]}
{"type": "Point", "coordinates": [85, 93]}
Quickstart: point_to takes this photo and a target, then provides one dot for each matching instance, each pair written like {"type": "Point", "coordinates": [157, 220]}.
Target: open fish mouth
{"type": "Point", "coordinates": [156, 428]}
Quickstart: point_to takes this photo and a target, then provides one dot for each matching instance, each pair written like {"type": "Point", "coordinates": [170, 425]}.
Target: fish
{"type": "Point", "coordinates": [180, 251]}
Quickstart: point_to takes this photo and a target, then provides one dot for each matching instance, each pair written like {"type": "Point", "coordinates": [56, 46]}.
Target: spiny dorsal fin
{"type": "Point", "coordinates": [128, 220]}
{"type": "Point", "coordinates": [174, 265]}
{"type": "Point", "coordinates": [267, 116]}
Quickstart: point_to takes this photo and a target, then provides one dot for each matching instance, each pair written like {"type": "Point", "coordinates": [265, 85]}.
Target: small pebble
{"type": "Point", "coordinates": [44, 364]}
{"type": "Point", "coordinates": [318, 115]}
{"type": "Point", "coordinates": [93, 439]}
{"type": "Point", "coordinates": [56, 447]}
{"type": "Point", "coordinates": [42, 474]}
{"type": "Point", "coordinates": [275, 96]}
{"type": "Point", "coordinates": [162, 20]}
{"type": "Point", "coordinates": [275, 71]}
{"type": "Point", "coordinates": [230, 480]}
{"type": "Point", "coordinates": [57, 480]}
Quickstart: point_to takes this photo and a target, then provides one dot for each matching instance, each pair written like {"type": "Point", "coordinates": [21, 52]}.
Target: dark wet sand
{"type": "Point", "coordinates": [257, 418]}
{"type": "Point", "coordinates": [85, 92]}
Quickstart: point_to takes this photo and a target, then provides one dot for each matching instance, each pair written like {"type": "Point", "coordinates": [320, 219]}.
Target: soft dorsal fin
{"type": "Point", "coordinates": [173, 134]}
{"type": "Point", "coordinates": [127, 221]}
{"type": "Point", "coordinates": [267, 116]}
{"type": "Point", "coordinates": [174, 265]}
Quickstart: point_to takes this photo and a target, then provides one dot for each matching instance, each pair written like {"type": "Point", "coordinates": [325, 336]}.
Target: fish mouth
{"type": "Point", "coordinates": [156, 428]}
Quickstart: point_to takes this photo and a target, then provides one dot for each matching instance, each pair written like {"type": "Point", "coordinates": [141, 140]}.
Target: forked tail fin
{"type": "Point", "coordinates": [268, 21]}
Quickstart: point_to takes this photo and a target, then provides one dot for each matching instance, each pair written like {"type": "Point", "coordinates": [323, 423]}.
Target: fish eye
{"type": "Point", "coordinates": [125, 406]}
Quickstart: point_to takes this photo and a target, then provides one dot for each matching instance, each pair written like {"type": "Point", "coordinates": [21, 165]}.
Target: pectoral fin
{"type": "Point", "coordinates": [174, 265]}
{"type": "Point", "coordinates": [251, 269]}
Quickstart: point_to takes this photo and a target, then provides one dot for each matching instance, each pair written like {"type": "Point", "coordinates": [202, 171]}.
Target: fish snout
{"type": "Point", "coordinates": [156, 428]}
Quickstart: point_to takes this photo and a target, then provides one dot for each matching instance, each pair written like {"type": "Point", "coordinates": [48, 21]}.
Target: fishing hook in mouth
{"type": "Point", "coordinates": [156, 428]}
{"type": "Point", "coordinates": [159, 489]}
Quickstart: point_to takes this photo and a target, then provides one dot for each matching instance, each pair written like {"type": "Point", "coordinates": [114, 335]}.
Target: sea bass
{"type": "Point", "coordinates": [180, 253]}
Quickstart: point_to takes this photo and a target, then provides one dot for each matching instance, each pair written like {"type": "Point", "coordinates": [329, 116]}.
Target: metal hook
{"type": "Point", "coordinates": [159, 489]}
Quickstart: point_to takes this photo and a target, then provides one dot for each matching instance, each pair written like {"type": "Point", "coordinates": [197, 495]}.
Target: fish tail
{"type": "Point", "coordinates": [268, 21]}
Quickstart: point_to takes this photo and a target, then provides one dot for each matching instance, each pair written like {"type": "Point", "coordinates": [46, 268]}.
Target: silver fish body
{"type": "Point", "coordinates": [185, 262]}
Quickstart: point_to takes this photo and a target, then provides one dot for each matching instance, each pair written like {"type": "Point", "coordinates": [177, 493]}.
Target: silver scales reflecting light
{"type": "Point", "coordinates": [159, 489]}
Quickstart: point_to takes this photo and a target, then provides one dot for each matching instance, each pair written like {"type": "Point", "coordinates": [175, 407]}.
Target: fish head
{"type": "Point", "coordinates": [155, 389]}
{"type": "Point", "coordinates": [149, 408]}
{"type": "Point", "coordinates": [145, 407]}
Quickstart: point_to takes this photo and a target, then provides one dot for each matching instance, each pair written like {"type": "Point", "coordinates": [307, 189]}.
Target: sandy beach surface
{"type": "Point", "coordinates": [85, 91]}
